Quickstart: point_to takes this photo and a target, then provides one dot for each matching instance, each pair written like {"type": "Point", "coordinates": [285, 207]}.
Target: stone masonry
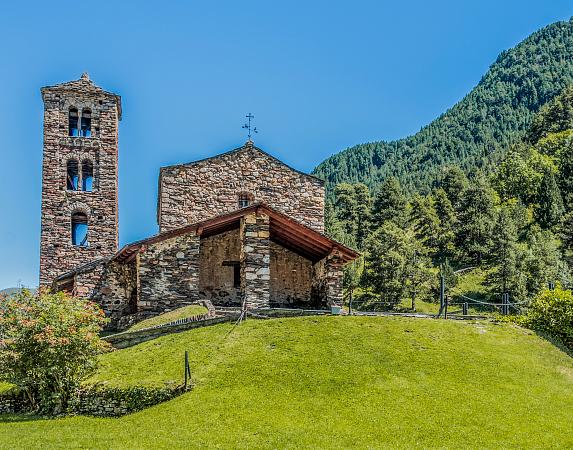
{"type": "Point", "coordinates": [57, 254]}
{"type": "Point", "coordinates": [169, 274]}
{"type": "Point", "coordinates": [197, 191]}
{"type": "Point", "coordinates": [255, 260]}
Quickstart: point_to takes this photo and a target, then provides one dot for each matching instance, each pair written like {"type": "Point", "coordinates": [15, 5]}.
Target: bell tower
{"type": "Point", "coordinates": [79, 176]}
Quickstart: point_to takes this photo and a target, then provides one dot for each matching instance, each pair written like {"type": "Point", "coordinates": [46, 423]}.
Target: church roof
{"type": "Point", "coordinates": [84, 84]}
{"type": "Point", "coordinates": [283, 230]}
{"type": "Point", "coordinates": [249, 145]}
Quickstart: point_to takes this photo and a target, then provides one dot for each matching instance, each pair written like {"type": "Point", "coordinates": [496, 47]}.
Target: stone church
{"type": "Point", "coordinates": [238, 229]}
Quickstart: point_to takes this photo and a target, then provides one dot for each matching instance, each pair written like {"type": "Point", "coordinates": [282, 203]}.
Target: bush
{"type": "Point", "coordinates": [551, 312]}
{"type": "Point", "coordinates": [48, 344]}
{"type": "Point", "coordinates": [99, 400]}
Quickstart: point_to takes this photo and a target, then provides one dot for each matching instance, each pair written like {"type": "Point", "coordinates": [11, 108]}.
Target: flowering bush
{"type": "Point", "coordinates": [48, 344]}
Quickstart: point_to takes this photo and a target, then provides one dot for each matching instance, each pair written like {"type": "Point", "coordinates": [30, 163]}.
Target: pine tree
{"type": "Point", "coordinates": [390, 204]}
{"type": "Point", "coordinates": [454, 182]}
{"type": "Point", "coordinates": [363, 208]}
{"type": "Point", "coordinates": [448, 223]}
{"type": "Point", "coordinates": [345, 207]}
{"type": "Point", "coordinates": [395, 264]}
{"type": "Point", "coordinates": [503, 256]}
{"type": "Point", "coordinates": [474, 232]}
{"type": "Point", "coordinates": [550, 204]}
{"type": "Point", "coordinates": [425, 221]}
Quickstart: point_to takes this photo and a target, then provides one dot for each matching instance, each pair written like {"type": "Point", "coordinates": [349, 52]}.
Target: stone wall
{"type": "Point", "coordinates": [216, 272]}
{"type": "Point", "coordinates": [334, 276]}
{"type": "Point", "coordinates": [113, 286]}
{"type": "Point", "coordinates": [255, 260]}
{"type": "Point", "coordinates": [169, 274]}
{"type": "Point", "coordinates": [291, 278]}
{"type": "Point", "coordinates": [117, 290]}
{"type": "Point", "coordinates": [57, 254]}
{"type": "Point", "coordinates": [198, 191]}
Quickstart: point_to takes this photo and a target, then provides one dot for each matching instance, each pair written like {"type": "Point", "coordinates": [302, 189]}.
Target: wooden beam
{"type": "Point", "coordinates": [301, 240]}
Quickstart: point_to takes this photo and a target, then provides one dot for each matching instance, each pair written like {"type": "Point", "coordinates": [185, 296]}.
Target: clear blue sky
{"type": "Point", "coordinates": [318, 75]}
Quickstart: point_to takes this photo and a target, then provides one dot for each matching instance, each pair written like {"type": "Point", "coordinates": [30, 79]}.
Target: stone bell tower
{"type": "Point", "coordinates": [79, 176]}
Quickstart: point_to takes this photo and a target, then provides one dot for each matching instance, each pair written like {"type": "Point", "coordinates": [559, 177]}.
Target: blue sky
{"type": "Point", "coordinates": [318, 75]}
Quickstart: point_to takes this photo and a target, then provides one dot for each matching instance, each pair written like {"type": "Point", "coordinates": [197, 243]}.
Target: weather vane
{"type": "Point", "coordinates": [248, 127]}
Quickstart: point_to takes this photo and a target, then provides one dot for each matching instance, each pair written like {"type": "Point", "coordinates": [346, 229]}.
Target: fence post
{"type": "Point", "coordinates": [187, 370]}
{"type": "Point", "coordinates": [505, 303]}
{"type": "Point", "coordinates": [350, 302]}
{"type": "Point", "coordinates": [446, 308]}
{"type": "Point", "coordinates": [465, 308]}
{"type": "Point", "coordinates": [442, 290]}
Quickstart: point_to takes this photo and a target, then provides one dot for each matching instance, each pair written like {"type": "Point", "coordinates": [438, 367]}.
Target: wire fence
{"type": "Point", "coordinates": [458, 305]}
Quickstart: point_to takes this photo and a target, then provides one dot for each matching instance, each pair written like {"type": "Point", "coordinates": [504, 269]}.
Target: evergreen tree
{"type": "Point", "coordinates": [363, 208]}
{"type": "Point", "coordinates": [544, 263]}
{"type": "Point", "coordinates": [425, 222]}
{"type": "Point", "coordinates": [566, 235]}
{"type": "Point", "coordinates": [395, 263]}
{"type": "Point", "coordinates": [474, 232]}
{"type": "Point", "coordinates": [550, 204]}
{"type": "Point", "coordinates": [390, 204]}
{"type": "Point", "coordinates": [503, 256]}
{"type": "Point", "coordinates": [454, 182]}
{"type": "Point", "coordinates": [345, 207]}
{"type": "Point", "coordinates": [448, 223]}
{"type": "Point", "coordinates": [565, 167]}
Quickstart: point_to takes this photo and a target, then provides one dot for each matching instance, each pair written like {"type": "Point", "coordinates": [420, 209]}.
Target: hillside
{"type": "Point", "coordinates": [476, 131]}
{"type": "Point", "coordinates": [333, 382]}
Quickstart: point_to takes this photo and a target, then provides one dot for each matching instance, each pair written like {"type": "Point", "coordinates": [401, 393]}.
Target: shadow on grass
{"type": "Point", "coordinates": [13, 418]}
{"type": "Point", "coordinates": [555, 342]}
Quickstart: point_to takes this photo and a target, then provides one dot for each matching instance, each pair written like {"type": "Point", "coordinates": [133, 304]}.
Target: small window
{"type": "Point", "coordinates": [236, 265]}
{"type": "Point", "coordinates": [72, 175]}
{"type": "Point", "coordinates": [244, 200]}
{"type": "Point", "coordinates": [87, 175]}
{"type": "Point", "coordinates": [86, 122]}
{"type": "Point", "coordinates": [73, 122]}
{"type": "Point", "coordinates": [80, 230]}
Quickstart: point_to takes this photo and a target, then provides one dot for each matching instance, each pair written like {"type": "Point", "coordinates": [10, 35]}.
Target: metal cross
{"type": "Point", "coordinates": [248, 127]}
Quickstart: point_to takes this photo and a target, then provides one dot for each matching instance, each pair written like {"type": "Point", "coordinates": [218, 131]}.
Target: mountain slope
{"type": "Point", "coordinates": [332, 382]}
{"type": "Point", "coordinates": [475, 132]}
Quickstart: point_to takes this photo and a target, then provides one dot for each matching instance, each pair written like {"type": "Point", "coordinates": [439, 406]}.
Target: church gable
{"type": "Point", "coordinates": [199, 190]}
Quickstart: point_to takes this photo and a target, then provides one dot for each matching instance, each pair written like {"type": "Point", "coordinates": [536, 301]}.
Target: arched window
{"type": "Point", "coordinates": [245, 200]}
{"type": "Point", "coordinates": [72, 171]}
{"type": "Point", "coordinates": [80, 229]}
{"type": "Point", "coordinates": [86, 129]}
{"type": "Point", "coordinates": [87, 175]}
{"type": "Point", "coordinates": [73, 122]}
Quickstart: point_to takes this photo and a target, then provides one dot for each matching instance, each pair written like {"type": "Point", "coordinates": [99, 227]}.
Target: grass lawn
{"type": "Point", "coordinates": [171, 316]}
{"type": "Point", "coordinates": [334, 382]}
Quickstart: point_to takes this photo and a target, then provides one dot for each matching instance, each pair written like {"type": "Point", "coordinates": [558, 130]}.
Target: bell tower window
{"type": "Point", "coordinates": [80, 229]}
{"type": "Point", "coordinates": [87, 175]}
{"type": "Point", "coordinates": [86, 123]}
{"type": "Point", "coordinates": [72, 170]}
{"type": "Point", "coordinates": [73, 122]}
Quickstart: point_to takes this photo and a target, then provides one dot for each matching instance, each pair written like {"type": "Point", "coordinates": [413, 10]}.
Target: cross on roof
{"type": "Point", "coordinates": [248, 127]}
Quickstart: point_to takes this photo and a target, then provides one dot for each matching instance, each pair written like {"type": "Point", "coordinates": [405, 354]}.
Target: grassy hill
{"type": "Point", "coordinates": [334, 382]}
{"type": "Point", "coordinates": [475, 132]}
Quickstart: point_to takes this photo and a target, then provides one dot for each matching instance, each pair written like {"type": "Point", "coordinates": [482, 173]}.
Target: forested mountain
{"type": "Point", "coordinates": [477, 131]}
{"type": "Point", "coordinates": [514, 225]}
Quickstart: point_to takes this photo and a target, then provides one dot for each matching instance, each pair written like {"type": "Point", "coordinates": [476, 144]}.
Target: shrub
{"type": "Point", "coordinates": [48, 344]}
{"type": "Point", "coordinates": [551, 312]}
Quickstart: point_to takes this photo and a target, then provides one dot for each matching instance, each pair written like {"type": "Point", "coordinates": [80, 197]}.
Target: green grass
{"type": "Point", "coordinates": [333, 382]}
{"type": "Point", "coordinates": [179, 313]}
{"type": "Point", "coordinates": [472, 284]}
